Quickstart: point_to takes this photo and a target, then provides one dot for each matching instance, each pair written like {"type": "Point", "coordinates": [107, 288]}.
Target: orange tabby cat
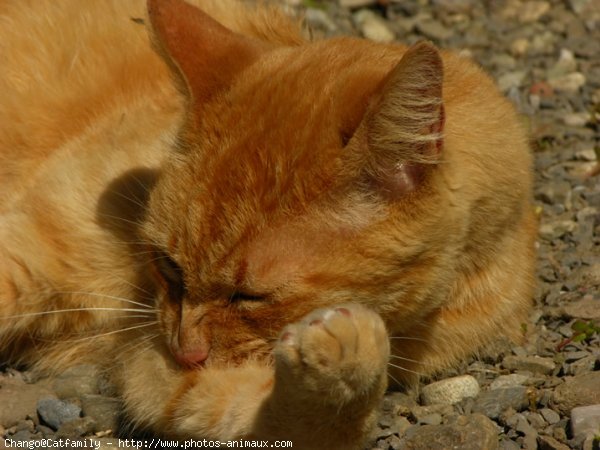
{"type": "Point", "coordinates": [241, 222]}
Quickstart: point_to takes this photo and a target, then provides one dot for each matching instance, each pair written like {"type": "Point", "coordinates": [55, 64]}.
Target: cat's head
{"type": "Point", "coordinates": [296, 183]}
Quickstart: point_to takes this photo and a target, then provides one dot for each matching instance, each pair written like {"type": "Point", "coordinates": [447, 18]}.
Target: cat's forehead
{"type": "Point", "coordinates": [272, 145]}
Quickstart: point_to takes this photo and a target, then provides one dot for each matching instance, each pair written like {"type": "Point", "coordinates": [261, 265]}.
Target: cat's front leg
{"type": "Point", "coordinates": [330, 375]}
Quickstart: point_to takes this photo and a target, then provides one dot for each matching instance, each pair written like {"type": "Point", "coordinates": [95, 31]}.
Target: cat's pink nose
{"type": "Point", "coordinates": [191, 358]}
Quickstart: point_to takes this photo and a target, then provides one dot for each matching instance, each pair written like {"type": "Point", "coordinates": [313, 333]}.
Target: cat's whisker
{"type": "Point", "coordinates": [133, 200]}
{"type": "Point", "coordinates": [67, 310]}
{"type": "Point", "coordinates": [393, 378]}
{"type": "Point", "coordinates": [130, 350]}
{"type": "Point", "coordinates": [406, 370]}
{"type": "Point", "coordinates": [108, 333]}
{"type": "Point", "coordinates": [412, 360]}
{"type": "Point", "coordinates": [111, 297]}
{"type": "Point", "coordinates": [406, 338]}
{"type": "Point", "coordinates": [121, 219]}
{"type": "Point", "coordinates": [133, 316]}
{"type": "Point", "coordinates": [139, 288]}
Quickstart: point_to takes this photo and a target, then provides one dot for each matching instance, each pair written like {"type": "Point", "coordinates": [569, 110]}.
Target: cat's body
{"type": "Point", "coordinates": [306, 175]}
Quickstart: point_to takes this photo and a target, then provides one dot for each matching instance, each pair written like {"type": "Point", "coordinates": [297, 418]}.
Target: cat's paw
{"type": "Point", "coordinates": [339, 355]}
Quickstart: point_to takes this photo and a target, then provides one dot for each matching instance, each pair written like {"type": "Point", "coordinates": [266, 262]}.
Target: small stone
{"type": "Point", "coordinates": [536, 420]}
{"type": "Point", "coordinates": [550, 416]}
{"type": "Point", "coordinates": [507, 444]}
{"type": "Point", "coordinates": [566, 64]}
{"type": "Point", "coordinates": [356, 3]}
{"type": "Point", "coordinates": [473, 432]}
{"type": "Point", "coordinates": [557, 229]}
{"type": "Point", "coordinates": [493, 403]}
{"type": "Point", "coordinates": [503, 61]}
{"type": "Point", "coordinates": [575, 356]}
{"type": "Point", "coordinates": [401, 402]}
{"type": "Point", "coordinates": [55, 412]}
{"type": "Point", "coordinates": [27, 425]}
{"type": "Point", "coordinates": [586, 155]}
{"type": "Point", "coordinates": [519, 47]}
{"type": "Point", "coordinates": [586, 308]}
{"type": "Point", "coordinates": [77, 381]}
{"type": "Point", "coordinates": [372, 26]}
{"type": "Point", "coordinates": [418, 413]}
{"type": "Point", "coordinates": [431, 419]}
{"type": "Point", "coordinates": [450, 390]}
{"type": "Point", "coordinates": [317, 18]}
{"type": "Point", "coordinates": [81, 426]}
{"type": "Point", "coordinates": [585, 420]}
{"type": "Point", "coordinates": [549, 443]}
{"type": "Point", "coordinates": [514, 379]}
{"type": "Point", "coordinates": [400, 425]}
{"type": "Point", "coordinates": [23, 435]}
{"type": "Point", "coordinates": [434, 30]}
{"type": "Point", "coordinates": [104, 410]}
{"type": "Point", "coordinates": [570, 83]}
{"type": "Point", "coordinates": [531, 11]}
{"type": "Point", "coordinates": [523, 426]}
{"type": "Point", "coordinates": [578, 6]}
{"type": "Point", "coordinates": [584, 365]}
{"type": "Point", "coordinates": [18, 400]}
{"type": "Point", "coordinates": [511, 79]}
{"type": "Point", "coordinates": [533, 364]}
{"type": "Point", "coordinates": [580, 390]}
{"type": "Point", "coordinates": [576, 119]}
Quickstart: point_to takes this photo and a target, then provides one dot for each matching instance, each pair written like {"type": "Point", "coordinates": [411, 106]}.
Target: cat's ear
{"type": "Point", "coordinates": [402, 130]}
{"type": "Point", "coordinates": [203, 54]}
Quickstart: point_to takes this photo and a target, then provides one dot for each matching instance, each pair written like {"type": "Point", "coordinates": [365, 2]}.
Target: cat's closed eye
{"type": "Point", "coordinates": [170, 274]}
{"type": "Point", "coordinates": [240, 296]}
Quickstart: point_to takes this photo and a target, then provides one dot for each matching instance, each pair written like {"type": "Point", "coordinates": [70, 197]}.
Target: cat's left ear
{"type": "Point", "coordinates": [204, 55]}
{"type": "Point", "coordinates": [402, 129]}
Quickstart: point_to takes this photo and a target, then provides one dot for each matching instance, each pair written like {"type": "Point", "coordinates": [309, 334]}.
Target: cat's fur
{"type": "Point", "coordinates": [254, 181]}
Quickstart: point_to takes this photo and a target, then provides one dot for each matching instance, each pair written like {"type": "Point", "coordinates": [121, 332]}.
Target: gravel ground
{"type": "Point", "coordinates": [545, 56]}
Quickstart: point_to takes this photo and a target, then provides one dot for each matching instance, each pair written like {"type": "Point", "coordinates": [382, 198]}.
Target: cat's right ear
{"type": "Point", "coordinates": [401, 133]}
{"type": "Point", "coordinates": [203, 55]}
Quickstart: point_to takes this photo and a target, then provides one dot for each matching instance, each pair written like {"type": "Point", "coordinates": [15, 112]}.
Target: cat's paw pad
{"type": "Point", "coordinates": [340, 352]}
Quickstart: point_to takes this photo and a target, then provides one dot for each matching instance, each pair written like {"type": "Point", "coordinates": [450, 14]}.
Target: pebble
{"type": "Point", "coordinates": [549, 443]}
{"type": "Point", "coordinates": [580, 390]}
{"type": "Point", "coordinates": [556, 229]}
{"type": "Point", "coordinates": [79, 427]}
{"type": "Point", "coordinates": [514, 379]}
{"type": "Point", "coordinates": [519, 47]}
{"type": "Point", "coordinates": [576, 119]}
{"type": "Point", "coordinates": [55, 412]}
{"type": "Point", "coordinates": [586, 308]}
{"type": "Point", "coordinates": [570, 83]}
{"type": "Point", "coordinates": [493, 403]}
{"type": "Point", "coordinates": [586, 155]}
{"type": "Point", "coordinates": [18, 400]}
{"type": "Point", "coordinates": [355, 3]}
{"type": "Point", "coordinates": [566, 64]}
{"type": "Point", "coordinates": [317, 18]}
{"type": "Point", "coordinates": [473, 432]}
{"type": "Point", "coordinates": [511, 80]}
{"type": "Point", "coordinates": [585, 420]}
{"type": "Point", "coordinates": [77, 381]}
{"type": "Point", "coordinates": [533, 364]}
{"type": "Point", "coordinates": [550, 416]}
{"type": "Point", "coordinates": [372, 26]}
{"type": "Point", "coordinates": [450, 390]}
{"type": "Point", "coordinates": [434, 30]}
